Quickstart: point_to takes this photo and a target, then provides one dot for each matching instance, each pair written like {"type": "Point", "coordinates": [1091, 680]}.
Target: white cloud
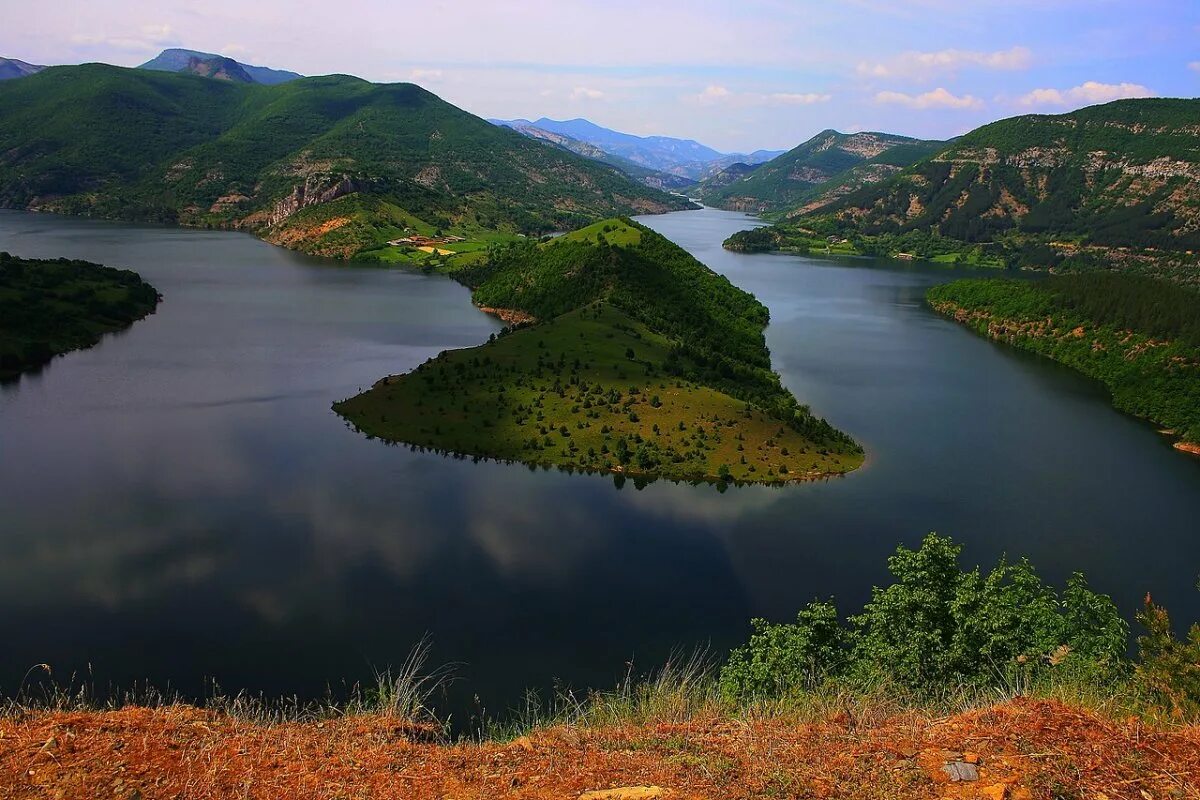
{"type": "Point", "coordinates": [584, 93]}
{"type": "Point", "coordinates": [714, 95]}
{"type": "Point", "coordinates": [915, 65]}
{"type": "Point", "coordinates": [146, 38]}
{"type": "Point", "coordinates": [422, 74]}
{"type": "Point", "coordinates": [1194, 66]}
{"type": "Point", "coordinates": [1087, 93]}
{"type": "Point", "coordinates": [938, 98]}
{"type": "Point", "coordinates": [791, 99]}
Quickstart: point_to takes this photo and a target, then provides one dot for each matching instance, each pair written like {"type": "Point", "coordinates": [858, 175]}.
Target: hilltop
{"type": "Point", "coordinates": [12, 68]}
{"type": "Point", "coordinates": [179, 60]}
{"type": "Point", "coordinates": [627, 356]}
{"type": "Point", "coordinates": [829, 164]}
{"type": "Point", "coordinates": [1111, 186]}
{"type": "Point", "coordinates": [146, 145]}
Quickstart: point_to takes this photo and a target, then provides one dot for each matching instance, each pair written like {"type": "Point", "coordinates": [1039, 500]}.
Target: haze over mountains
{"type": "Point", "coordinates": [684, 158]}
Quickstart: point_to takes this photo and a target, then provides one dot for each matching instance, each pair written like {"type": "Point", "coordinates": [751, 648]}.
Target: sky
{"type": "Point", "coordinates": [737, 76]}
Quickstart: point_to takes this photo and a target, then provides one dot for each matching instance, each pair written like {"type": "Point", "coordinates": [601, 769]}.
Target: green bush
{"type": "Point", "coordinates": [937, 626]}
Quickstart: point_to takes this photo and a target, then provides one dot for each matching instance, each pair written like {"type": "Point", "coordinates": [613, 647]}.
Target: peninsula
{"type": "Point", "coordinates": [50, 307]}
{"type": "Point", "coordinates": [628, 356]}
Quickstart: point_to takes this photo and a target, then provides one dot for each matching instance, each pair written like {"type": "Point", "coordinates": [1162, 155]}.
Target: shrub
{"type": "Point", "coordinates": [937, 626]}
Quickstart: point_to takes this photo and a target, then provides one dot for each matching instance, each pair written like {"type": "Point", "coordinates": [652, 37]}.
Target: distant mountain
{"type": "Point", "coordinates": [12, 68]}
{"type": "Point", "coordinates": [332, 165]}
{"type": "Point", "coordinates": [808, 171]}
{"type": "Point", "coordinates": [727, 176]}
{"type": "Point", "coordinates": [216, 66]}
{"type": "Point", "coordinates": [683, 157]}
{"type": "Point", "coordinates": [650, 177]}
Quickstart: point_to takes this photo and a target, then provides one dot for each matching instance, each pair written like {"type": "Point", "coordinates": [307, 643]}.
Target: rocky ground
{"type": "Point", "coordinates": [1023, 749]}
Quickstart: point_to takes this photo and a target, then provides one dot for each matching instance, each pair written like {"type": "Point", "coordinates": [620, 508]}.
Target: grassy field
{"type": "Point", "coordinates": [587, 391]}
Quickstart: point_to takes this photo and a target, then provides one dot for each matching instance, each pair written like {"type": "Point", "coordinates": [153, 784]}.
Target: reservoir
{"type": "Point", "coordinates": [180, 505]}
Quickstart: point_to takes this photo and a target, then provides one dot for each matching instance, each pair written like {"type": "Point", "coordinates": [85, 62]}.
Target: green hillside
{"type": "Point", "coordinates": [52, 307]}
{"type": "Point", "coordinates": [801, 173]}
{"type": "Point", "coordinates": [1114, 186]}
{"type": "Point", "coordinates": [633, 358]}
{"type": "Point", "coordinates": [143, 145]}
{"type": "Point", "coordinates": [1139, 336]}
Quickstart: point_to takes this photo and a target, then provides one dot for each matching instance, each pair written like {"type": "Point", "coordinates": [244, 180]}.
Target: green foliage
{"type": "Point", "coordinates": [52, 307]}
{"type": "Point", "coordinates": [936, 627]}
{"type": "Point", "coordinates": [1168, 669]}
{"type": "Point", "coordinates": [1141, 337]}
{"type": "Point", "coordinates": [784, 659]}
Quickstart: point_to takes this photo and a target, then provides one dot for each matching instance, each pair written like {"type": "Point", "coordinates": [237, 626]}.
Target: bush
{"type": "Point", "coordinates": [936, 627]}
{"type": "Point", "coordinates": [1168, 670]}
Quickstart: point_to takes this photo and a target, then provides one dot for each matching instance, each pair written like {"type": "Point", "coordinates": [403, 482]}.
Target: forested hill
{"type": "Point", "coordinates": [1124, 174]}
{"type": "Point", "coordinates": [629, 357]}
{"type": "Point", "coordinates": [1112, 186]}
{"type": "Point", "coordinates": [142, 145]}
{"type": "Point", "coordinates": [828, 161]}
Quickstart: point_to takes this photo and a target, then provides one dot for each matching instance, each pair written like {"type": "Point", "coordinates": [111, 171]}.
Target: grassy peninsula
{"type": "Point", "coordinates": [1139, 336]}
{"type": "Point", "coordinates": [50, 307]}
{"type": "Point", "coordinates": [626, 356]}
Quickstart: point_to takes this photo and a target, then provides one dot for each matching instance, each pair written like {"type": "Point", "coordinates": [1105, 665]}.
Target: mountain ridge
{"type": "Point", "coordinates": [150, 145]}
{"type": "Point", "coordinates": [178, 59]}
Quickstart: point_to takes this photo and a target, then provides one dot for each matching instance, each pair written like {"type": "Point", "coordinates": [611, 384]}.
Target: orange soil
{"type": "Point", "coordinates": [1024, 749]}
{"type": "Point", "coordinates": [1188, 447]}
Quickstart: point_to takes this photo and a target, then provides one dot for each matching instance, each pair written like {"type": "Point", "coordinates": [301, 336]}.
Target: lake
{"type": "Point", "coordinates": [180, 504]}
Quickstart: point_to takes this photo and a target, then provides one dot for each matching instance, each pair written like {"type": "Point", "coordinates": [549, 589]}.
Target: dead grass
{"type": "Point", "coordinates": [1025, 749]}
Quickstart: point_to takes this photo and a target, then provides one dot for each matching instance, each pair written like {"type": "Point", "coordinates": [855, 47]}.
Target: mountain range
{"type": "Point", "coordinates": [684, 158]}
{"type": "Point", "coordinates": [332, 165]}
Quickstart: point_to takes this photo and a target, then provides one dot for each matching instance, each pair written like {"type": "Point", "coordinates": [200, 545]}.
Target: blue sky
{"type": "Point", "coordinates": [734, 75]}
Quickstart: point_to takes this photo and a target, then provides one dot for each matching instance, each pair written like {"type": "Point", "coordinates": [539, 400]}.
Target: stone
{"type": "Point", "coordinates": [997, 791]}
{"type": "Point", "coordinates": [961, 771]}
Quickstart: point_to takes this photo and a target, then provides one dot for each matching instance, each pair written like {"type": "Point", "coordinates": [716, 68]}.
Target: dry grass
{"type": "Point", "coordinates": [1025, 748]}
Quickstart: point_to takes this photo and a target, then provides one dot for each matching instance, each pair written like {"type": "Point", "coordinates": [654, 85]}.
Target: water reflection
{"type": "Point", "coordinates": [181, 503]}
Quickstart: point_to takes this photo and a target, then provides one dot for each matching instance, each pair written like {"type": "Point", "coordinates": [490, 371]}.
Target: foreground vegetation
{"type": "Point", "coordinates": [52, 307]}
{"type": "Point", "coordinates": [1014, 689]}
{"type": "Point", "coordinates": [1139, 336]}
{"type": "Point", "coordinates": [630, 357]}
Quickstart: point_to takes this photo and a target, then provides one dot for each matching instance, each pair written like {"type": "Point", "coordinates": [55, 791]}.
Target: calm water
{"type": "Point", "coordinates": [181, 504]}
